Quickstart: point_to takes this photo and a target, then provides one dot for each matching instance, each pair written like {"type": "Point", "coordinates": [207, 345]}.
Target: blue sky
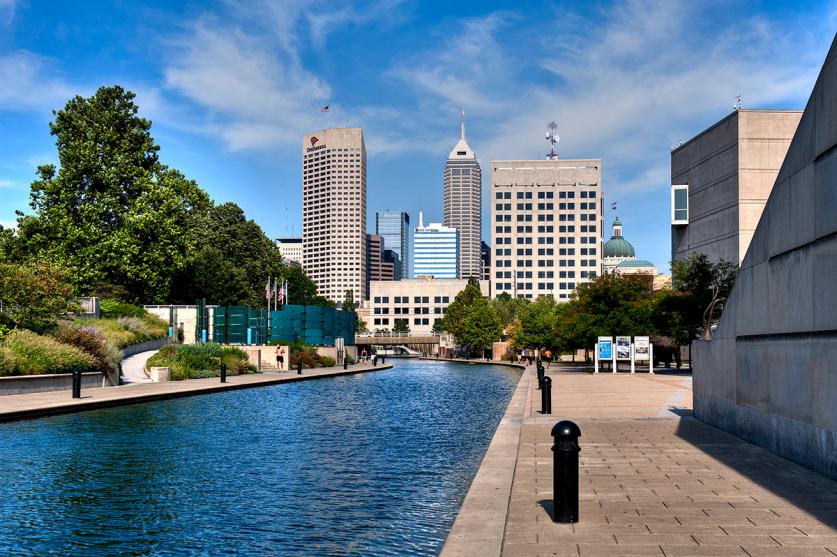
{"type": "Point", "coordinates": [232, 86]}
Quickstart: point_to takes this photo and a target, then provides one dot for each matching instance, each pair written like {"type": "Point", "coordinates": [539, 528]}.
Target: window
{"type": "Point", "coordinates": [680, 204]}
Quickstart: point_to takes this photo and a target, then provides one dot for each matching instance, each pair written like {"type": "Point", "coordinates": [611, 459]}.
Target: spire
{"type": "Point", "coordinates": [421, 220]}
{"type": "Point", "coordinates": [462, 124]}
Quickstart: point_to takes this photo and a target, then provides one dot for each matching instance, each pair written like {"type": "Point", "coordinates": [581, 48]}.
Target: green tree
{"type": "Point", "coordinates": [438, 326]}
{"type": "Point", "coordinates": [361, 327]}
{"type": "Point", "coordinates": [32, 294]}
{"type": "Point", "coordinates": [349, 301]}
{"type": "Point", "coordinates": [480, 328]}
{"type": "Point", "coordinates": [111, 212]}
{"type": "Point", "coordinates": [509, 309]}
{"type": "Point", "coordinates": [401, 326]}
{"type": "Point", "coordinates": [458, 310]}
{"type": "Point", "coordinates": [537, 324]}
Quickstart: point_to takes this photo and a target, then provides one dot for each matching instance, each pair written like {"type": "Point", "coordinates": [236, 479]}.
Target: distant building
{"type": "Point", "coordinates": [463, 204]}
{"type": "Point", "coordinates": [721, 180]}
{"type": "Point", "coordinates": [618, 255]}
{"type": "Point", "coordinates": [546, 223]}
{"type": "Point", "coordinates": [485, 261]}
{"type": "Point", "coordinates": [420, 301]}
{"type": "Point", "coordinates": [436, 251]}
{"type": "Point", "coordinates": [290, 249]}
{"type": "Point", "coordinates": [334, 211]}
{"type": "Point", "coordinates": [377, 268]}
{"type": "Point", "coordinates": [394, 228]}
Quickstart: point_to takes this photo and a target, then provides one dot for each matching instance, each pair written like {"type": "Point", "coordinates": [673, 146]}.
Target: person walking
{"type": "Point", "coordinates": [280, 358]}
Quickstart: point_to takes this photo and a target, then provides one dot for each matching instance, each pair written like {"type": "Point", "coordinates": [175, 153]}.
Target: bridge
{"type": "Point", "coordinates": [390, 339]}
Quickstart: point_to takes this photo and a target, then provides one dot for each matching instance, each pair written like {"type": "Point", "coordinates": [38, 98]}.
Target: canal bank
{"type": "Point", "coordinates": [36, 405]}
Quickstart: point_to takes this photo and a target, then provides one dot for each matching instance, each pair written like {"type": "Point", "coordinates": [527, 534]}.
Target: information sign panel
{"type": "Point", "coordinates": [641, 353]}
{"type": "Point", "coordinates": [605, 348]}
{"type": "Point", "coordinates": [623, 348]}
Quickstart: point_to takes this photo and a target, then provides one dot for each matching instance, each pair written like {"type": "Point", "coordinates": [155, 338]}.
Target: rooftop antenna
{"type": "Point", "coordinates": [737, 106]}
{"type": "Point", "coordinates": [462, 124]}
{"type": "Point", "coordinates": [553, 138]}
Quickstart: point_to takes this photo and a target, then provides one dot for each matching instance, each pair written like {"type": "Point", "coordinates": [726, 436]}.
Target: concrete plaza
{"type": "Point", "coordinates": [653, 480]}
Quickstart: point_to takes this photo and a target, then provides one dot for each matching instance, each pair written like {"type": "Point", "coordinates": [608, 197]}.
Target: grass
{"type": "Point", "coordinates": [26, 353]}
{"type": "Point", "coordinates": [195, 361]}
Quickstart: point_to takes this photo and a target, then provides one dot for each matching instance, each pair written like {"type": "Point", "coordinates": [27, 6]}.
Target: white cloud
{"type": "Point", "coordinates": [7, 11]}
{"type": "Point", "coordinates": [8, 184]}
{"type": "Point", "coordinates": [29, 82]}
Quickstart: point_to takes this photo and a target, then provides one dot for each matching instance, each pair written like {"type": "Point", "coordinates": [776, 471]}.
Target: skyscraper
{"type": "Point", "coordinates": [436, 251]}
{"type": "Point", "coordinates": [547, 221]}
{"type": "Point", "coordinates": [334, 211]}
{"type": "Point", "coordinates": [463, 203]}
{"type": "Point", "coordinates": [394, 228]}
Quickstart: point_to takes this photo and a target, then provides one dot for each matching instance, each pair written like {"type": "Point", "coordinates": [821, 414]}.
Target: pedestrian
{"type": "Point", "coordinates": [363, 355]}
{"type": "Point", "coordinates": [547, 357]}
{"type": "Point", "coordinates": [280, 358]}
{"type": "Point", "coordinates": [374, 360]}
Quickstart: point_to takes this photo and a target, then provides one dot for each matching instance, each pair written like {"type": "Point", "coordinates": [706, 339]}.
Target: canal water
{"type": "Point", "coordinates": [370, 464]}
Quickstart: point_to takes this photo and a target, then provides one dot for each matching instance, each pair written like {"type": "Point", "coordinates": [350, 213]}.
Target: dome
{"type": "Point", "coordinates": [618, 247]}
{"type": "Point", "coordinates": [635, 263]}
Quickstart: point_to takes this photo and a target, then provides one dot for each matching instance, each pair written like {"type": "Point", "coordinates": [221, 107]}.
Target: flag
{"type": "Point", "coordinates": [267, 290]}
{"type": "Point", "coordinates": [613, 205]}
{"type": "Point", "coordinates": [324, 109]}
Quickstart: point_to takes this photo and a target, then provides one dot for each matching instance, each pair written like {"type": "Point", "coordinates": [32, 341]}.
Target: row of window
{"type": "Point", "coordinates": [416, 299]}
{"type": "Point", "coordinates": [546, 218]}
{"type": "Point", "coordinates": [548, 229]}
{"type": "Point", "coordinates": [416, 321]}
{"type": "Point", "coordinates": [540, 286]}
{"type": "Point", "coordinates": [406, 311]}
{"type": "Point", "coordinates": [544, 206]}
{"type": "Point", "coordinates": [584, 194]}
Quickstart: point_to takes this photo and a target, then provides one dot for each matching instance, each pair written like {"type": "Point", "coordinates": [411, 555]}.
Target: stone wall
{"type": "Point", "coordinates": [770, 373]}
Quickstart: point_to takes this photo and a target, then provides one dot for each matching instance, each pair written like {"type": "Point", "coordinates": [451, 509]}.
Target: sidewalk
{"type": "Point", "coordinates": [17, 407]}
{"type": "Point", "coordinates": [653, 480]}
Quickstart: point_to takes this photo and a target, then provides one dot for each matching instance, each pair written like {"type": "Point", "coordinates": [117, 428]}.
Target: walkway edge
{"type": "Point", "coordinates": [133, 396]}
{"type": "Point", "coordinates": [480, 526]}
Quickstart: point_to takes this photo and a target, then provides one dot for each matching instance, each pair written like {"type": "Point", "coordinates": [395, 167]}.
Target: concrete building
{"type": "Point", "coordinates": [436, 251]}
{"type": "Point", "coordinates": [463, 204]}
{"type": "Point", "coordinates": [334, 211]}
{"type": "Point", "coordinates": [394, 228]}
{"type": "Point", "coordinates": [618, 256]}
{"type": "Point", "coordinates": [546, 226]}
{"type": "Point", "coordinates": [420, 301]}
{"type": "Point", "coordinates": [290, 249]}
{"type": "Point", "coordinates": [485, 261]}
{"type": "Point", "coordinates": [769, 374]}
{"type": "Point", "coordinates": [721, 180]}
{"type": "Point", "coordinates": [377, 268]}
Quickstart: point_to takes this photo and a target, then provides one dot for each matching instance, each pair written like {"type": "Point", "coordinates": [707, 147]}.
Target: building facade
{"type": "Point", "coordinates": [394, 228]}
{"type": "Point", "coordinates": [420, 301]}
{"type": "Point", "coordinates": [546, 226]}
{"type": "Point", "coordinates": [376, 267]}
{"type": "Point", "coordinates": [334, 211]}
{"type": "Point", "coordinates": [290, 249]}
{"type": "Point", "coordinates": [485, 261]}
{"type": "Point", "coordinates": [618, 256]}
{"type": "Point", "coordinates": [435, 251]}
{"type": "Point", "coordinates": [463, 204]}
{"type": "Point", "coordinates": [721, 180]}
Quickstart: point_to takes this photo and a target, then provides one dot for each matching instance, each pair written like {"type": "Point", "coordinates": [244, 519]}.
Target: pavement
{"type": "Point", "coordinates": [34, 405]}
{"type": "Point", "coordinates": [133, 368]}
{"type": "Point", "coordinates": [653, 480]}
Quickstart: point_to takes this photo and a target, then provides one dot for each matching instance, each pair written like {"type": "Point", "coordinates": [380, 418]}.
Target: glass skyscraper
{"type": "Point", "coordinates": [394, 228]}
{"type": "Point", "coordinates": [436, 251]}
{"type": "Point", "coordinates": [463, 204]}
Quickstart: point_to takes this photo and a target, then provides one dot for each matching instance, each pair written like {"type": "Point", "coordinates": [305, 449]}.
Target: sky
{"type": "Point", "coordinates": [232, 86]}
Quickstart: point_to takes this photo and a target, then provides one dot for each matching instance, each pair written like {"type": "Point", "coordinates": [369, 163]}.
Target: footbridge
{"type": "Point", "coordinates": [391, 339]}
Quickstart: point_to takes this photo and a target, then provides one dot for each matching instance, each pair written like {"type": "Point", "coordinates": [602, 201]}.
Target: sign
{"type": "Point", "coordinates": [623, 348]}
{"type": "Point", "coordinates": [641, 352]}
{"type": "Point", "coordinates": [605, 348]}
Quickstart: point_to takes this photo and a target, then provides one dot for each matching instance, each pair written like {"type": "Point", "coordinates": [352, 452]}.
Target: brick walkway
{"type": "Point", "coordinates": [654, 481]}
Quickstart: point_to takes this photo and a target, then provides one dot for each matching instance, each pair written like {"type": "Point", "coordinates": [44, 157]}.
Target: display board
{"type": "Point", "coordinates": [641, 349]}
{"type": "Point", "coordinates": [623, 348]}
{"type": "Point", "coordinates": [605, 348]}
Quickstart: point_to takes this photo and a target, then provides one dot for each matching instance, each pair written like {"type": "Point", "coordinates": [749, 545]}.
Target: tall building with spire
{"type": "Point", "coordinates": [463, 203]}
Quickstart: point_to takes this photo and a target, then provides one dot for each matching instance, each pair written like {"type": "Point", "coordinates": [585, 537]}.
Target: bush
{"type": "Point", "coordinates": [114, 308]}
{"type": "Point", "coordinates": [90, 340]}
{"type": "Point", "coordinates": [196, 361]}
{"type": "Point", "coordinates": [124, 331]}
{"type": "Point", "coordinates": [26, 353]}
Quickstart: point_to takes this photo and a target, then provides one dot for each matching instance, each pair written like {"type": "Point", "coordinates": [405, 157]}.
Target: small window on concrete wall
{"type": "Point", "coordinates": [680, 204]}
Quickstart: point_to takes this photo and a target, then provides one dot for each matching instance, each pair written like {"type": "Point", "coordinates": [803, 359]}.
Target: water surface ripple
{"type": "Point", "coordinates": [372, 464]}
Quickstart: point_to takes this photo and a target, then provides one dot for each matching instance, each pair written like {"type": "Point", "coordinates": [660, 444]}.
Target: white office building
{"type": "Point", "coordinates": [435, 251]}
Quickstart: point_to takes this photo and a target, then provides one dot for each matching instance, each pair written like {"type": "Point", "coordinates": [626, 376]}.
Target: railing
{"type": "Point", "coordinates": [393, 334]}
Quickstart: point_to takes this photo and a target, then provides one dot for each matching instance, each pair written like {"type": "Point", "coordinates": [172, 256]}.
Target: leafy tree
{"type": "Point", "coordinates": [460, 308]}
{"type": "Point", "coordinates": [349, 301]}
{"type": "Point", "coordinates": [361, 327]}
{"type": "Point", "coordinates": [401, 326]}
{"type": "Point", "coordinates": [111, 212]}
{"type": "Point", "coordinates": [537, 324]}
{"type": "Point", "coordinates": [31, 294]}
{"type": "Point", "coordinates": [438, 326]}
{"type": "Point", "coordinates": [480, 328]}
{"type": "Point", "coordinates": [509, 309]}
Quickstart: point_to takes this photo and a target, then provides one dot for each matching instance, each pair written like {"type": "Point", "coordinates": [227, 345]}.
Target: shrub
{"type": "Point", "coordinates": [124, 331]}
{"type": "Point", "coordinates": [26, 353]}
{"type": "Point", "coordinates": [328, 361]}
{"type": "Point", "coordinates": [115, 308]}
{"type": "Point", "coordinates": [90, 340]}
{"type": "Point", "coordinates": [195, 361]}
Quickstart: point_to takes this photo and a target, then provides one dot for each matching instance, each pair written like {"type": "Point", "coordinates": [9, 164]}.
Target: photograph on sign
{"type": "Point", "coordinates": [605, 348]}
{"type": "Point", "coordinates": [641, 350]}
{"type": "Point", "coordinates": [623, 348]}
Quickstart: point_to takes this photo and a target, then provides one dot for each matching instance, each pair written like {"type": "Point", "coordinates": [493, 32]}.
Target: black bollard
{"type": "Point", "coordinates": [383, 359]}
{"type": "Point", "coordinates": [77, 384]}
{"type": "Point", "coordinates": [299, 366]}
{"type": "Point", "coordinates": [223, 373]}
{"type": "Point", "coordinates": [546, 395]}
{"type": "Point", "coordinates": [345, 362]}
{"type": "Point", "coordinates": [565, 471]}
{"type": "Point", "coordinates": [540, 377]}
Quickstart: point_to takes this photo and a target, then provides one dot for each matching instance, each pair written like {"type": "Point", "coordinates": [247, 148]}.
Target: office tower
{"type": "Point", "coordinates": [376, 267]}
{"type": "Point", "coordinates": [334, 211]}
{"type": "Point", "coordinates": [546, 226]}
{"type": "Point", "coordinates": [436, 250]}
{"type": "Point", "coordinates": [721, 180]}
{"type": "Point", "coordinates": [463, 203]}
{"type": "Point", "coordinates": [394, 227]}
{"type": "Point", "coordinates": [290, 249]}
{"type": "Point", "coordinates": [485, 261]}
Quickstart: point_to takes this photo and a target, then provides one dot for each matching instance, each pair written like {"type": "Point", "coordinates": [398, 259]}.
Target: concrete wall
{"type": "Point", "coordinates": [770, 373]}
{"type": "Point", "coordinates": [25, 384]}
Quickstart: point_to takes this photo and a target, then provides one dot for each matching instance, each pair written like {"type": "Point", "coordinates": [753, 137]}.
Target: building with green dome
{"type": "Point", "coordinates": [619, 256]}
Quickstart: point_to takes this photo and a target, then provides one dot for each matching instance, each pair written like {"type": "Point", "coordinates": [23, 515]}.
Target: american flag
{"type": "Point", "coordinates": [324, 109]}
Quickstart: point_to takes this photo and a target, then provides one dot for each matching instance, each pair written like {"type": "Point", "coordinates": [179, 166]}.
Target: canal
{"type": "Point", "coordinates": [370, 464]}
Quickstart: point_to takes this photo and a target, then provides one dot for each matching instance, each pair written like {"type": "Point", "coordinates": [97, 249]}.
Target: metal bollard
{"type": "Point", "coordinates": [383, 359]}
{"type": "Point", "coordinates": [540, 377]}
{"type": "Point", "coordinates": [565, 471]}
{"type": "Point", "coordinates": [546, 396]}
{"type": "Point", "coordinates": [345, 362]}
{"type": "Point", "coordinates": [299, 366]}
{"type": "Point", "coordinates": [77, 384]}
{"type": "Point", "coordinates": [223, 373]}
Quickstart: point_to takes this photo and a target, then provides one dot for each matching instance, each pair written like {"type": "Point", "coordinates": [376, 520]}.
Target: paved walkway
{"type": "Point", "coordinates": [653, 481]}
{"type": "Point", "coordinates": [17, 407]}
{"type": "Point", "coordinates": [133, 368]}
